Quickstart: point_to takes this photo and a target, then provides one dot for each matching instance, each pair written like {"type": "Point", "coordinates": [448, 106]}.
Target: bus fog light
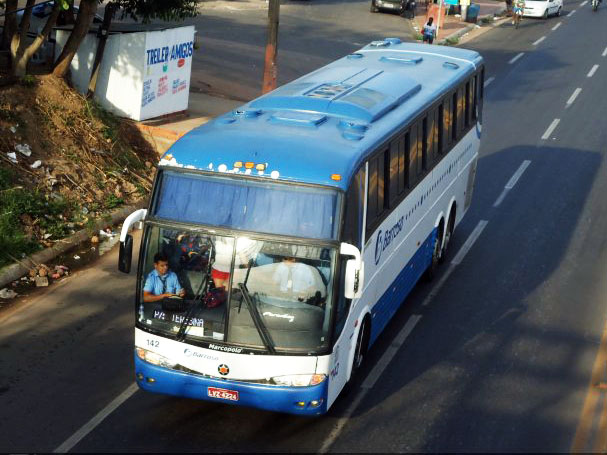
{"type": "Point", "coordinates": [150, 380]}
{"type": "Point", "coordinates": [316, 403]}
{"type": "Point", "coordinates": [299, 380]}
{"type": "Point", "coordinates": [300, 404]}
{"type": "Point", "coordinates": [140, 376]}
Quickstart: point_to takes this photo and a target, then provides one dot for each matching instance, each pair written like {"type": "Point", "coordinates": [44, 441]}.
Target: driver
{"type": "Point", "coordinates": [161, 282]}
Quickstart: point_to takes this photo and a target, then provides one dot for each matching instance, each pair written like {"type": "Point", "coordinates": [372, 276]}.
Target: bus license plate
{"type": "Point", "coordinates": [224, 394]}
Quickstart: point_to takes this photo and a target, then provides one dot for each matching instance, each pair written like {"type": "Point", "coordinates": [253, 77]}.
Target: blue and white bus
{"type": "Point", "coordinates": [297, 224]}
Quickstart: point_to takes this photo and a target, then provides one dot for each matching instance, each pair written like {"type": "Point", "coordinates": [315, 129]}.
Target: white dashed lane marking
{"type": "Point", "coordinates": [535, 43]}
{"type": "Point", "coordinates": [513, 180]}
{"type": "Point", "coordinates": [573, 96]}
{"type": "Point", "coordinates": [556, 26]}
{"type": "Point", "coordinates": [592, 71]}
{"type": "Point", "coordinates": [488, 81]}
{"type": "Point", "coordinates": [551, 128]}
{"type": "Point", "coordinates": [515, 58]}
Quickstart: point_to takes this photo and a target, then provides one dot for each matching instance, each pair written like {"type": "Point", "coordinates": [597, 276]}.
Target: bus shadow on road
{"type": "Point", "coordinates": [503, 353]}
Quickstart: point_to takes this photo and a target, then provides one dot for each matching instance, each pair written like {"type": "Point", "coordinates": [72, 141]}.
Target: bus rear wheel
{"type": "Point", "coordinates": [434, 263]}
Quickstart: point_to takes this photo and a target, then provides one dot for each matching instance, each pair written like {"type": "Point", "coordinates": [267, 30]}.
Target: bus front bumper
{"type": "Point", "coordinates": [310, 400]}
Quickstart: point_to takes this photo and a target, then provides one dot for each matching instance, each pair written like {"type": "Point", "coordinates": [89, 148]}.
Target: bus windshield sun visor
{"type": "Point", "coordinates": [268, 207]}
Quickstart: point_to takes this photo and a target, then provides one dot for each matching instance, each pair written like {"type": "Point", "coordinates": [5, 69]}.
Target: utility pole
{"type": "Point", "coordinates": [270, 69]}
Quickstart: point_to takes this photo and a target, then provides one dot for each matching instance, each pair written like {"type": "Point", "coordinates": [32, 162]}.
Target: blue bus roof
{"type": "Point", "coordinates": [328, 121]}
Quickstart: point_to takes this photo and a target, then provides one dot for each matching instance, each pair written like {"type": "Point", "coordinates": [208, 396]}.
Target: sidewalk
{"type": "Point", "coordinates": [454, 26]}
{"type": "Point", "coordinates": [164, 131]}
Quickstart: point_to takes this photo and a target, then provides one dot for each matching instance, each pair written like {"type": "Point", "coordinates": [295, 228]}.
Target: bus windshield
{"type": "Point", "coordinates": [236, 290]}
{"type": "Point", "coordinates": [248, 205]}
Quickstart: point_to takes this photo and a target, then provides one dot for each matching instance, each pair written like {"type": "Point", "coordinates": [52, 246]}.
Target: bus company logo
{"type": "Point", "coordinates": [233, 349]}
{"type": "Point", "coordinates": [223, 369]}
{"type": "Point", "coordinates": [199, 355]}
{"type": "Point", "coordinates": [384, 239]}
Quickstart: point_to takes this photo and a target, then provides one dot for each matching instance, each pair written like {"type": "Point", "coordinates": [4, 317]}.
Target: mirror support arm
{"type": "Point", "coordinates": [133, 218]}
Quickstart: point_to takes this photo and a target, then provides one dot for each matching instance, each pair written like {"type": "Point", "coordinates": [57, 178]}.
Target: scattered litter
{"type": "Point", "coordinates": [76, 257]}
{"type": "Point", "coordinates": [13, 129]}
{"type": "Point", "coordinates": [93, 248]}
{"type": "Point", "coordinates": [95, 239]}
{"type": "Point", "coordinates": [70, 225]}
{"type": "Point", "coordinates": [47, 236]}
{"type": "Point", "coordinates": [43, 271]}
{"type": "Point", "coordinates": [24, 278]}
{"type": "Point", "coordinates": [55, 276]}
{"type": "Point", "coordinates": [15, 284]}
{"type": "Point", "coordinates": [36, 164]}
{"type": "Point", "coordinates": [12, 156]}
{"type": "Point", "coordinates": [7, 294]}
{"type": "Point", "coordinates": [24, 149]}
{"type": "Point", "coordinates": [85, 210]}
{"type": "Point", "coordinates": [41, 281]}
{"type": "Point", "coordinates": [107, 233]}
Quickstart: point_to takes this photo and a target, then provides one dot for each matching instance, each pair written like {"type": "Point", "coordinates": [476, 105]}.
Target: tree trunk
{"type": "Point", "coordinates": [10, 24]}
{"type": "Point", "coordinates": [19, 41]}
{"type": "Point", "coordinates": [102, 34]}
{"type": "Point", "coordinates": [22, 52]}
{"type": "Point", "coordinates": [86, 13]}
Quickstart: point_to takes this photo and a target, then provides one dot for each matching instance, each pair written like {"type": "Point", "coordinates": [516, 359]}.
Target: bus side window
{"type": "Point", "coordinates": [343, 304]}
{"type": "Point", "coordinates": [412, 153]}
{"type": "Point", "coordinates": [461, 110]}
{"type": "Point", "coordinates": [420, 141]}
{"type": "Point", "coordinates": [447, 124]}
{"type": "Point", "coordinates": [381, 183]}
{"type": "Point", "coordinates": [402, 168]}
{"type": "Point", "coordinates": [372, 192]}
{"type": "Point", "coordinates": [454, 117]}
{"type": "Point", "coordinates": [394, 173]}
{"type": "Point", "coordinates": [434, 132]}
{"type": "Point", "coordinates": [473, 89]}
{"type": "Point", "coordinates": [426, 158]}
{"type": "Point", "coordinates": [441, 128]}
{"type": "Point", "coordinates": [467, 104]}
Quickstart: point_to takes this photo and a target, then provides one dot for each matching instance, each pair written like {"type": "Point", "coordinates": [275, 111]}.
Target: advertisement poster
{"type": "Point", "coordinates": [167, 69]}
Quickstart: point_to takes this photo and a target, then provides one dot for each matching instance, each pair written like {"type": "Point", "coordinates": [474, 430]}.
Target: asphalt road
{"type": "Point", "coordinates": [504, 347]}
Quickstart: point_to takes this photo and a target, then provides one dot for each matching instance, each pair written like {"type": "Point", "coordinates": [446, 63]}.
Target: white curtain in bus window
{"type": "Point", "coordinates": [271, 208]}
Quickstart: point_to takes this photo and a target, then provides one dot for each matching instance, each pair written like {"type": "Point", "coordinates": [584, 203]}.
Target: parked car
{"type": "Point", "coordinates": [405, 8]}
{"type": "Point", "coordinates": [542, 8]}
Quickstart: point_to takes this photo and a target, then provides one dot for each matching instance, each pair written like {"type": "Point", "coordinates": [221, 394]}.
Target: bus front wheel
{"type": "Point", "coordinates": [360, 353]}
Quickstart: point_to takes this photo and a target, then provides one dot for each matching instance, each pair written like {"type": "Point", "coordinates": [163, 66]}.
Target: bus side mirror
{"type": "Point", "coordinates": [126, 254]}
{"type": "Point", "coordinates": [126, 240]}
{"type": "Point", "coordinates": [355, 272]}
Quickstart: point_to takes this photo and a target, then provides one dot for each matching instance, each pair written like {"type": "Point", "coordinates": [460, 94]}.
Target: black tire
{"type": "Point", "coordinates": [373, 8]}
{"type": "Point", "coordinates": [558, 12]}
{"type": "Point", "coordinates": [545, 16]}
{"type": "Point", "coordinates": [435, 262]}
{"type": "Point", "coordinates": [448, 235]}
{"type": "Point", "coordinates": [360, 352]}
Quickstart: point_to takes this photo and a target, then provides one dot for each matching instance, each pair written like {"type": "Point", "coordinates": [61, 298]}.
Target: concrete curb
{"type": "Point", "coordinates": [15, 271]}
{"type": "Point", "coordinates": [470, 27]}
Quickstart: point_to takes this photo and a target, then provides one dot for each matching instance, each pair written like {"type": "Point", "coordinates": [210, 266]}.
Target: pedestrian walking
{"type": "Point", "coordinates": [429, 31]}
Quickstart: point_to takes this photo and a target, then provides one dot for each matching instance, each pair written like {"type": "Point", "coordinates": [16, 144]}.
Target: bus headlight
{"type": "Point", "coordinates": [299, 380]}
{"type": "Point", "coordinates": [154, 359]}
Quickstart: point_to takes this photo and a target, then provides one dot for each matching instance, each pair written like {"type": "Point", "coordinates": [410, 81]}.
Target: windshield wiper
{"type": "Point", "coordinates": [202, 290]}
{"type": "Point", "coordinates": [259, 325]}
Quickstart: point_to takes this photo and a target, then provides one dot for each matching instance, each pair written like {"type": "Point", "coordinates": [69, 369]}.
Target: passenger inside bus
{"type": "Point", "coordinates": [298, 279]}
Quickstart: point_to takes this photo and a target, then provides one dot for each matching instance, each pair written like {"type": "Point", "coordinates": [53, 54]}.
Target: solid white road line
{"type": "Point", "coordinates": [573, 96]}
{"type": "Point", "coordinates": [556, 26]}
{"type": "Point", "coordinates": [592, 71]}
{"type": "Point", "coordinates": [478, 230]}
{"type": "Point", "coordinates": [378, 369]}
{"type": "Point", "coordinates": [488, 81]}
{"type": "Point", "coordinates": [584, 2]}
{"type": "Point", "coordinates": [551, 128]}
{"type": "Point", "coordinates": [535, 43]}
{"type": "Point", "coordinates": [571, 13]}
{"type": "Point", "coordinates": [604, 52]}
{"type": "Point", "coordinates": [515, 58]}
{"type": "Point", "coordinates": [91, 424]}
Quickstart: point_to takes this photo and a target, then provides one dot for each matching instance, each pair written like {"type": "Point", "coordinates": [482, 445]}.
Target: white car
{"type": "Point", "coordinates": [543, 8]}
